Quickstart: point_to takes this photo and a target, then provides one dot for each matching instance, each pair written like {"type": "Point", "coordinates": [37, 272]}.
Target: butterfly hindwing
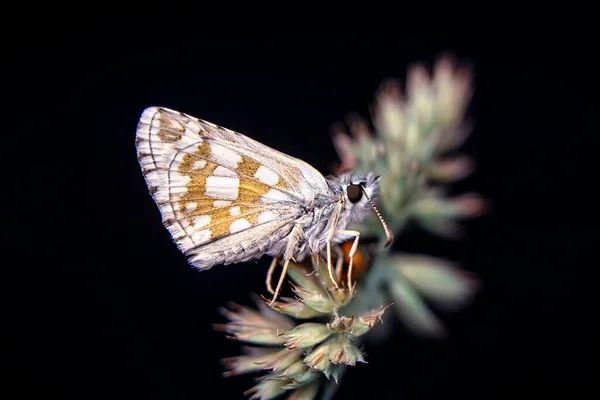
{"type": "Point", "coordinates": [222, 196]}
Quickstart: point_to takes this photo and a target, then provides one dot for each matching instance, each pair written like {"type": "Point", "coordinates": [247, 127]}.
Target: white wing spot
{"type": "Point", "coordinates": [239, 224]}
{"type": "Point", "coordinates": [174, 189]}
{"type": "Point", "coordinates": [266, 217]}
{"type": "Point", "coordinates": [223, 155]}
{"type": "Point", "coordinates": [222, 188]}
{"type": "Point", "coordinates": [199, 164]}
{"type": "Point", "coordinates": [191, 206]}
{"type": "Point", "coordinates": [201, 236]}
{"type": "Point", "coordinates": [274, 195]}
{"type": "Point", "coordinates": [221, 203]}
{"type": "Point", "coordinates": [222, 171]}
{"type": "Point", "coordinates": [201, 222]}
{"type": "Point", "coordinates": [178, 180]}
{"type": "Point", "coordinates": [234, 211]}
{"type": "Point", "coordinates": [265, 175]}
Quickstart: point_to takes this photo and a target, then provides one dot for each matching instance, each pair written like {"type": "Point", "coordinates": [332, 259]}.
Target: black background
{"type": "Point", "coordinates": [106, 306]}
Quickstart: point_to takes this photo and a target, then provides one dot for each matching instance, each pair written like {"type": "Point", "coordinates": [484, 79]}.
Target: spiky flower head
{"type": "Point", "coordinates": [305, 338]}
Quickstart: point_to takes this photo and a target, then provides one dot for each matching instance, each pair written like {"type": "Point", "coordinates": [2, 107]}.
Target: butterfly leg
{"type": "Point", "coordinates": [351, 253]}
{"type": "Point", "coordinates": [280, 283]}
{"type": "Point", "coordinates": [270, 274]}
{"type": "Point", "coordinates": [329, 240]}
{"type": "Point", "coordinates": [339, 262]}
{"type": "Point", "coordinates": [295, 236]}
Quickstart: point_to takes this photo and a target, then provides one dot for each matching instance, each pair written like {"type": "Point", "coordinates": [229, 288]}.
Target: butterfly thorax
{"type": "Point", "coordinates": [317, 218]}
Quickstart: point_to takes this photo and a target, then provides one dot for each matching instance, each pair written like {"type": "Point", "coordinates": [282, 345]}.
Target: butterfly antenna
{"type": "Point", "coordinates": [388, 233]}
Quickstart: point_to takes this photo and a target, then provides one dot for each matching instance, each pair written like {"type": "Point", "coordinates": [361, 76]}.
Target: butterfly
{"type": "Point", "coordinates": [226, 198]}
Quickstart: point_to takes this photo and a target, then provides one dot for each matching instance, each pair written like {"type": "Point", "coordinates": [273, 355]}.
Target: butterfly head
{"type": "Point", "coordinates": [353, 187]}
{"type": "Point", "coordinates": [360, 192]}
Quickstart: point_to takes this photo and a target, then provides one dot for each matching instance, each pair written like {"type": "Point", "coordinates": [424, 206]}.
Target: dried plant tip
{"type": "Point", "coordinates": [455, 136]}
{"type": "Point", "coordinates": [343, 146]}
{"type": "Point", "coordinates": [339, 349]}
{"type": "Point", "coordinates": [265, 327]}
{"type": "Point", "coordinates": [450, 170]}
{"type": "Point", "coordinates": [264, 317]}
{"type": "Point", "coordinates": [260, 359]}
{"type": "Point", "coordinates": [302, 276]}
{"type": "Point", "coordinates": [435, 208]}
{"type": "Point", "coordinates": [470, 205]}
{"type": "Point", "coordinates": [413, 311]}
{"type": "Point", "coordinates": [318, 359]}
{"type": "Point", "coordinates": [390, 124]}
{"type": "Point", "coordinates": [438, 280]}
{"type": "Point", "coordinates": [417, 82]}
{"type": "Point", "coordinates": [348, 354]}
{"type": "Point", "coordinates": [299, 374]}
{"type": "Point", "coordinates": [267, 389]}
{"type": "Point", "coordinates": [306, 335]}
{"type": "Point", "coordinates": [306, 392]}
{"type": "Point", "coordinates": [432, 206]}
{"type": "Point", "coordinates": [390, 91]}
{"type": "Point", "coordinates": [447, 228]}
{"type": "Point", "coordinates": [357, 326]}
{"type": "Point", "coordinates": [358, 127]}
{"type": "Point", "coordinates": [389, 113]}
{"type": "Point", "coordinates": [284, 359]}
{"type": "Point", "coordinates": [444, 64]}
{"type": "Point", "coordinates": [294, 308]}
{"type": "Point", "coordinates": [252, 334]}
{"type": "Point", "coordinates": [340, 323]}
{"type": "Point", "coordinates": [239, 365]}
{"type": "Point", "coordinates": [342, 295]}
{"type": "Point", "coordinates": [314, 299]}
{"type": "Point", "coordinates": [453, 91]}
{"type": "Point", "coordinates": [367, 321]}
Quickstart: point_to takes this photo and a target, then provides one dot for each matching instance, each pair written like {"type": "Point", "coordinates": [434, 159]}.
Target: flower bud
{"type": "Point", "coordinates": [267, 389]}
{"type": "Point", "coordinates": [440, 281]}
{"type": "Point", "coordinates": [367, 321]}
{"type": "Point", "coordinates": [453, 90]}
{"type": "Point", "coordinates": [342, 295]}
{"type": "Point", "coordinates": [450, 170]}
{"type": "Point", "coordinates": [412, 310]}
{"type": "Point", "coordinates": [264, 327]}
{"type": "Point", "coordinates": [259, 359]}
{"type": "Point", "coordinates": [349, 354]}
{"type": "Point", "coordinates": [306, 335]}
{"type": "Point", "coordinates": [315, 299]}
{"type": "Point", "coordinates": [294, 308]}
{"type": "Point", "coordinates": [303, 277]}
{"type": "Point", "coordinates": [339, 349]}
{"type": "Point", "coordinates": [438, 214]}
{"type": "Point", "coordinates": [318, 359]}
{"type": "Point", "coordinates": [306, 392]}
{"type": "Point", "coordinates": [299, 374]}
{"type": "Point", "coordinates": [389, 115]}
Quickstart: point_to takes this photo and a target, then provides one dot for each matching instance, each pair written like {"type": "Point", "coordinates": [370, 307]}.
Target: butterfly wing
{"type": "Point", "coordinates": [224, 197]}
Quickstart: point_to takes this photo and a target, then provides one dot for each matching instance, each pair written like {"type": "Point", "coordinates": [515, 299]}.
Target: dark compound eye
{"type": "Point", "coordinates": [354, 193]}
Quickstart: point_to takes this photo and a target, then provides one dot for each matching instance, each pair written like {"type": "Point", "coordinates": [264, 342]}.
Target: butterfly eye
{"type": "Point", "coordinates": [354, 193]}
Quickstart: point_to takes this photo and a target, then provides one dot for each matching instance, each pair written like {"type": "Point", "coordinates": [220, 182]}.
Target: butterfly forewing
{"type": "Point", "coordinates": [222, 195]}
